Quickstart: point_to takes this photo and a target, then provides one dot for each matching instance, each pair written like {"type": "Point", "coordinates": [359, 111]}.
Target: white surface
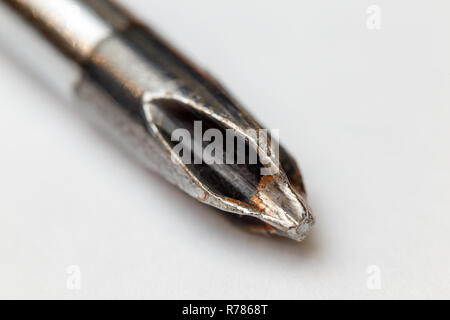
{"type": "Point", "coordinates": [366, 114]}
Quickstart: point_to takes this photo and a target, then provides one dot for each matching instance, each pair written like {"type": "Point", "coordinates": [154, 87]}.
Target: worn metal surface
{"type": "Point", "coordinates": [142, 89]}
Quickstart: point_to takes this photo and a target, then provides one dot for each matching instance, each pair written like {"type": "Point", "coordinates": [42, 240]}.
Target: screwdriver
{"type": "Point", "coordinates": [172, 115]}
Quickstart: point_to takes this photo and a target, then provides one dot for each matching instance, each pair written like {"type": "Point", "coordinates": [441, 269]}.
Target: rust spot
{"type": "Point", "coordinates": [258, 203]}
{"type": "Point", "coordinates": [239, 202]}
{"type": "Point", "coordinates": [296, 174]}
{"type": "Point", "coordinates": [264, 227]}
{"type": "Point", "coordinates": [255, 199]}
{"type": "Point", "coordinates": [264, 181]}
{"type": "Point", "coordinates": [298, 189]}
{"type": "Point", "coordinates": [204, 197]}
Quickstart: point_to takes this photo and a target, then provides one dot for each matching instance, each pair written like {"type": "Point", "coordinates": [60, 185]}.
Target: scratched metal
{"type": "Point", "coordinates": [140, 88]}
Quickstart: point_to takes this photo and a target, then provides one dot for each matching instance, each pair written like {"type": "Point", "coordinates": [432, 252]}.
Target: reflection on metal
{"type": "Point", "coordinates": [141, 89]}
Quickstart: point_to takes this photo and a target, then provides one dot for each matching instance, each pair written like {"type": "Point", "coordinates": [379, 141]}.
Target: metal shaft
{"type": "Point", "coordinates": [143, 90]}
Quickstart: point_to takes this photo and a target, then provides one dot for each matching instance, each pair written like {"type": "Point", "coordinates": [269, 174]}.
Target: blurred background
{"type": "Point", "coordinates": [360, 93]}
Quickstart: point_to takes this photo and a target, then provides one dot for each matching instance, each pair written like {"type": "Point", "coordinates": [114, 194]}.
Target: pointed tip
{"type": "Point", "coordinates": [282, 207]}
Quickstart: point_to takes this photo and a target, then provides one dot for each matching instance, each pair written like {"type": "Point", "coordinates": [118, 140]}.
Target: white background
{"type": "Point", "coordinates": [365, 112]}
